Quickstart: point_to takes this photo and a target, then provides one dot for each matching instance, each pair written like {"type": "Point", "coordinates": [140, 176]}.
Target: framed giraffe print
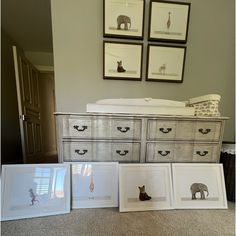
{"type": "Point", "coordinates": [94, 184]}
{"type": "Point", "coordinates": [123, 18]}
{"type": "Point", "coordinates": [165, 63]}
{"type": "Point", "coordinates": [35, 190]}
{"type": "Point", "coordinates": [199, 186]}
{"type": "Point", "coordinates": [168, 21]}
{"type": "Point", "coordinates": [122, 61]}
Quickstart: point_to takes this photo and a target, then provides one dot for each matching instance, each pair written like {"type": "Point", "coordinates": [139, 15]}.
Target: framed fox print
{"type": "Point", "coordinates": [35, 190]}
{"type": "Point", "coordinates": [145, 187]}
{"type": "Point", "coordinates": [199, 186]}
{"type": "Point", "coordinates": [169, 21]}
{"type": "Point", "coordinates": [123, 18]}
{"type": "Point", "coordinates": [122, 61]}
{"type": "Point", "coordinates": [165, 63]}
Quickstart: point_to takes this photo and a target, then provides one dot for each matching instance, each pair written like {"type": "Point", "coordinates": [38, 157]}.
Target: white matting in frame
{"type": "Point", "coordinates": [35, 190]}
{"type": "Point", "coordinates": [199, 186]}
{"type": "Point", "coordinates": [94, 184]}
{"type": "Point", "coordinates": [145, 187]}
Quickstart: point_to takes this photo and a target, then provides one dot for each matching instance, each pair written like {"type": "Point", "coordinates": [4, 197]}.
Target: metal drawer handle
{"type": "Point", "coordinates": [204, 131]}
{"type": "Point", "coordinates": [164, 153]}
{"type": "Point", "coordinates": [165, 130]}
{"type": "Point", "coordinates": [84, 127]}
{"type": "Point", "coordinates": [123, 129]}
{"type": "Point", "coordinates": [202, 153]}
{"type": "Point", "coordinates": [81, 152]}
{"type": "Point", "coordinates": [122, 153]}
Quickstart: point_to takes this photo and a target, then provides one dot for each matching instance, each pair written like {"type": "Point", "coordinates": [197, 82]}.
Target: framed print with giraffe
{"type": "Point", "coordinates": [123, 18]}
{"type": "Point", "coordinates": [165, 63]}
{"type": "Point", "coordinates": [168, 21]}
{"type": "Point", "coordinates": [35, 190]}
{"type": "Point", "coordinates": [94, 184]}
{"type": "Point", "coordinates": [122, 61]}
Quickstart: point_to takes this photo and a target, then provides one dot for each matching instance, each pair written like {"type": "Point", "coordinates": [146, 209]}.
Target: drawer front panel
{"type": "Point", "coordinates": [101, 151]}
{"type": "Point", "coordinates": [206, 153]}
{"type": "Point", "coordinates": [208, 131]}
{"type": "Point", "coordinates": [170, 130]}
{"type": "Point", "coordinates": [102, 128]}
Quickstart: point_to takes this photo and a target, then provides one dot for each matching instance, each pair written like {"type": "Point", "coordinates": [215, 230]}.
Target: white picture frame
{"type": "Point", "coordinates": [35, 190]}
{"type": "Point", "coordinates": [158, 185]}
{"type": "Point", "coordinates": [123, 19]}
{"type": "Point", "coordinates": [94, 184]}
{"type": "Point", "coordinates": [165, 63]}
{"type": "Point", "coordinates": [209, 174]}
{"type": "Point", "coordinates": [122, 61]}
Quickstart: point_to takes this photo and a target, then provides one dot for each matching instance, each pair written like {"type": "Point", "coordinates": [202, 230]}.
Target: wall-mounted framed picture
{"type": "Point", "coordinates": [145, 187]}
{"type": "Point", "coordinates": [199, 186]}
{"type": "Point", "coordinates": [168, 21]}
{"type": "Point", "coordinates": [122, 61]}
{"type": "Point", "coordinates": [165, 63]}
{"type": "Point", "coordinates": [35, 190]}
{"type": "Point", "coordinates": [123, 18]}
{"type": "Point", "coordinates": [94, 184]}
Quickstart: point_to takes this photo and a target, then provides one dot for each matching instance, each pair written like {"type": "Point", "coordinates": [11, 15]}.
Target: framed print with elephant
{"type": "Point", "coordinates": [122, 61]}
{"type": "Point", "coordinates": [145, 187]}
{"type": "Point", "coordinates": [168, 21]}
{"type": "Point", "coordinates": [199, 186]}
{"type": "Point", "coordinates": [123, 18]}
{"type": "Point", "coordinates": [165, 63]}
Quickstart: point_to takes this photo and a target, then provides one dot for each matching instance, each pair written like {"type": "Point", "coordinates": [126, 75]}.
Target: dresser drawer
{"type": "Point", "coordinates": [206, 153]}
{"type": "Point", "coordinates": [101, 151]}
{"type": "Point", "coordinates": [207, 131]}
{"type": "Point", "coordinates": [101, 128]}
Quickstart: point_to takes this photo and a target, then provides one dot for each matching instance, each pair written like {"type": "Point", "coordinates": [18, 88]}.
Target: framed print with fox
{"type": "Point", "coordinates": [145, 187]}
{"type": "Point", "coordinates": [35, 190]}
{"type": "Point", "coordinates": [199, 186]}
{"type": "Point", "coordinates": [123, 18]}
{"type": "Point", "coordinates": [122, 61]}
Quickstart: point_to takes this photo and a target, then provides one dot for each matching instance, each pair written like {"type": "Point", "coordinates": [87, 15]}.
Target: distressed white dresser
{"type": "Point", "coordinates": [138, 138]}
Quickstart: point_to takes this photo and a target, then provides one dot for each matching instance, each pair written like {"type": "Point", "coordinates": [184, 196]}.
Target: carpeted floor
{"type": "Point", "coordinates": [108, 221]}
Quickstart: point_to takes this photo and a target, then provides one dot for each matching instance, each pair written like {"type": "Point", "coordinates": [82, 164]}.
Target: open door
{"type": "Point", "coordinates": [29, 107]}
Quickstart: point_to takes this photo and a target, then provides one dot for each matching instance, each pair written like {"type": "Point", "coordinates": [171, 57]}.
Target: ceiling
{"type": "Point", "coordinates": [28, 23]}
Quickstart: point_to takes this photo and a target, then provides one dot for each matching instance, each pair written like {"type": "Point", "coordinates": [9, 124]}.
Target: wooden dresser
{"type": "Point", "coordinates": [138, 138]}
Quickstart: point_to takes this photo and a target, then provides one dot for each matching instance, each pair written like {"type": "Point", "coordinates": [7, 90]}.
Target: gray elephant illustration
{"type": "Point", "coordinates": [123, 19]}
{"type": "Point", "coordinates": [198, 187]}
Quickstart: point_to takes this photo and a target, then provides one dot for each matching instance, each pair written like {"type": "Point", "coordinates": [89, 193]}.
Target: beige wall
{"type": "Point", "coordinates": [78, 58]}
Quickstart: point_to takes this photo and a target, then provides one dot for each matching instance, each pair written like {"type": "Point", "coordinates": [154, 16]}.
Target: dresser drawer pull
{"type": "Point", "coordinates": [204, 131]}
{"type": "Point", "coordinates": [164, 153]}
{"type": "Point", "coordinates": [122, 153]}
{"type": "Point", "coordinates": [202, 153]}
{"type": "Point", "coordinates": [81, 152]}
{"type": "Point", "coordinates": [165, 130]}
{"type": "Point", "coordinates": [84, 127]}
{"type": "Point", "coordinates": [123, 129]}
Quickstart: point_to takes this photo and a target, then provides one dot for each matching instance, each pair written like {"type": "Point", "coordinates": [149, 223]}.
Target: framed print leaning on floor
{"type": "Point", "coordinates": [35, 190]}
{"type": "Point", "coordinates": [123, 18]}
{"type": "Point", "coordinates": [122, 61]}
{"type": "Point", "coordinates": [165, 63]}
{"type": "Point", "coordinates": [199, 186]}
{"type": "Point", "coordinates": [145, 187]}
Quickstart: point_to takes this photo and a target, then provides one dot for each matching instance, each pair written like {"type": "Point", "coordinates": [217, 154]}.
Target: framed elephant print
{"type": "Point", "coordinates": [122, 61]}
{"type": "Point", "coordinates": [145, 187]}
{"type": "Point", "coordinates": [199, 186]}
{"type": "Point", "coordinates": [168, 21]}
{"type": "Point", "coordinates": [123, 18]}
{"type": "Point", "coordinates": [165, 63]}
{"type": "Point", "coordinates": [35, 190]}
{"type": "Point", "coordinates": [94, 184]}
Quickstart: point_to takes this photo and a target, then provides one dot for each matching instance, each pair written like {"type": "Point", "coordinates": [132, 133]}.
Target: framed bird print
{"type": "Point", "coordinates": [199, 186]}
{"type": "Point", "coordinates": [168, 21]}
{"type": "Point", "coordinates": [123, 18]}
{"type": "Point", "coordinates": [122, 61]}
